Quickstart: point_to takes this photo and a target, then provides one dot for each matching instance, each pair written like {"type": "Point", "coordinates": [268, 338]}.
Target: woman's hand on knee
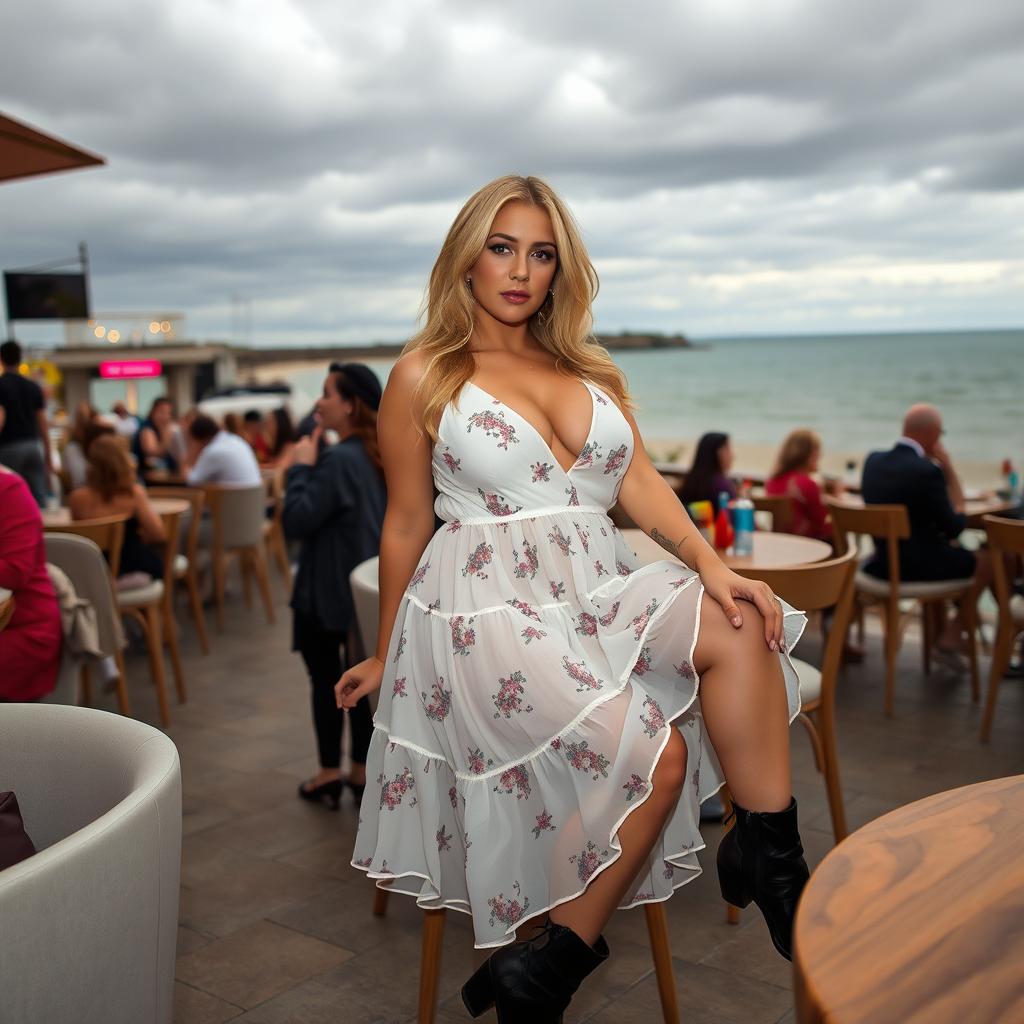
{"type": "Point", "coordinates": [727, 587]}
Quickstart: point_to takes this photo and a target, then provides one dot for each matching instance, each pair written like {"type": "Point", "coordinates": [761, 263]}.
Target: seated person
{"type": "Point", "coordinates": [217, 456]}
{"type": "Point", "coordinates": [918, 473]}
{"type": "Point", "coordinates": [30, 643]}
{"type": "Point", "coordinates": [157, 443]}
{"type": "Point", "coordinates": [252, 431]}
{"type": "Point", "coordinates": [798, 459]}
{"type": "Point", "coordinates": [708, 477]}
{"type": "Point", "coordinates": [112, 490]}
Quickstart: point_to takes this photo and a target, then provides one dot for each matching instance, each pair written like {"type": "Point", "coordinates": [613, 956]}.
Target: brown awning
{"type": "Point", "coordinates": [26, 151]}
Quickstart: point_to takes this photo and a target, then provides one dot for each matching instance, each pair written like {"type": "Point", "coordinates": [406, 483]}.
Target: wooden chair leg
{"type": "Point", "coordinates": [245, 568]}
{"type": "Point", "coordinates": [196, 604]}
{"type": "Point", "coordinates": [430, 964]}
{"type": "Point", "coordinates": [154, 643]}
{"type": "Point", "coordinates": [122, 685]}
{"type": "Point", "coordinates": [219, 572]}
{"type": "Point", "coordinates": [380, 902]}
{"type": "Point", "coordinates": [171, 638]}
{"type": "Point", "coordinates": [833, 789]}
{"type": "Point", "coordinates": [1000, 663]}
{"type": "Point", "coordinates": [259, 564]}
{"type": "Point", "coordinates": [970, 607]}
{"type": "Point", "coordinates": [892, 646]}
{"type": "Point", "coordinates": [275, 542]}
{"type": "Point", "coordinates": [815, 737]}
{"type": "Point", "coordinates": [657, 929]}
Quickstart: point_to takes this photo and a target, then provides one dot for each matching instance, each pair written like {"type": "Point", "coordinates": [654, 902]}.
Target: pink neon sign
{"type": "Point", "coordinates": [123, 369]}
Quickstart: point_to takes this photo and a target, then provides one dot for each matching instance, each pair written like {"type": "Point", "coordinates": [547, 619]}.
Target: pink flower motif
{"type": "Point", "coordinates": [493, 425]}
{"type": "Point", "coordinates": [573, 496]}
{"type": "Point", "coordinates": [564, 543]}
{"type": "Point", "coordinates": [600, 569]}
{"type": "Point", "coordinates": [579, 673]}
{"type": "Point", "coordinates": [557, 588]}
{"type": "Point", "coordinates": [669, 872]}
{"type": "Point", "coordinates": [556, 744]}
{"type": "Point", "coordinates": [481, 556]}
{"type": "Point", "coordinates": [462, 636]}
{"type": "Point", "coordinates": [586, 624]}
{"type": "Point", "coordinates": [417, 576]}
{"type": "Point", "coordinates": [621, 568]}
{"type": "Point", "coordinates": [587, 861]}
{"type": "Point", "coordinates": [639, 622]}
{"type": "Point", "coordinates": [439, 703]}
{"type": "Point", "coordinates": [543, 825]}
{"type": "Point", "coordinates": [444, 839]}
{"type": "Point", "coordinates": [514, 780]}
{"type": "Point", "coordinates": [615, 460]}
{"type": "Point", "coordinates": [600, 398]}
{"type": "Point", "coordinates": [453, 797]}
{"type": "Point", "coordinates": [655, 721]}
{"type": "Point", "coordinates": [522, 606]}
{"type": "Point", "coordinates": [585, 459]}
{"type": "Point", "coordinates": [509, 698]}
{"type": "Point", "coordinates": [609, 617]}
{"type": "Point", "coordinates": [681, 582]}
{"type": "Point", "coordinates": [432, 607]}
{"type": "Point", "coordinates": [401, 646]}
{"type": "Point", "coordinates": [454, 526]}
{"type": "Point", "coordinates": [643, 662]}
{"type": "Point", "coordinates": [634, 787]}
{"type": "Point", "coordinates": [475, 761]}
{"type": "Point", "coordinates": [583, 759]}
{"type": "Point", "coordinates": [526, 567]}
{"type": "Point", "coordinates": [541, 472]}
{"type": "Point", "coordinates": [392, 792]}
{"type": "Point", "coordinates": [398, 690]}
{"type": "Point", "coordinates": [584, 536]}
{"type": "Point", "coordinates": [496, 503]}
{"type": "Point", "coordinates": [507, 911]}
{"type": "Point", "coordinates": [450, 461]}
{"type": "Point", "coordinates": [532, 633]}
{"type": "Point", "coordinates": [364, 862]}
{"type": "Point", "coordinates": [685, 669]}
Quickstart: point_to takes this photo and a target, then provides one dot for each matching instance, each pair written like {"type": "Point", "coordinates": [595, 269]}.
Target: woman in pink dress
{"type": "Point", "coordinates": [30, 644]}
{"type": "Point", "coordinates": [798, 459]}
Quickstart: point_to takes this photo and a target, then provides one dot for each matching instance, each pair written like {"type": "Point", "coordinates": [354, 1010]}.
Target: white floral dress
{"type": "Point", "coordinates": [533, 674]}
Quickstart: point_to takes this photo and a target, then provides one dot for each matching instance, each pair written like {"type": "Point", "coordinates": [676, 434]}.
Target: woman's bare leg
{"type": "Point", "coordinates": [743, 703]}
{"type": "Point", "coordinates": [589, 912]}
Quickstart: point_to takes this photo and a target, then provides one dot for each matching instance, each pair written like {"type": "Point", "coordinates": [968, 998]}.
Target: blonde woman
{"type": "Point", "coordinates": [540, 750]}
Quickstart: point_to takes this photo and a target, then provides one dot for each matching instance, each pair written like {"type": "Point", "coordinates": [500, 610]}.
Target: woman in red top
{"type": "Point", "coordinates": [798, 458]}
{"type": "Point", "coordinates": [30, 645]}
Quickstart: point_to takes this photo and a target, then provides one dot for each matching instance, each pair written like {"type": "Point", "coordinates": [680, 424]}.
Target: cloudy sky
{"type": "Point", "coordinates": [738, 167]}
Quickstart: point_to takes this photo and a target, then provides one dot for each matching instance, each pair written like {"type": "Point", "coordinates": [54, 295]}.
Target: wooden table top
{"type": "Point", "coordinates": [916, 917]}
{"type": "Point", "coordinates": [771, 550]}
{"type": "Point", "coordinates": [974, 508]}
{"type": "Point", "coordinates": [161, 506]}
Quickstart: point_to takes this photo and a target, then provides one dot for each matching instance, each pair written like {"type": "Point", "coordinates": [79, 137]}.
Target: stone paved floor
{"type": "Point", "coordinates": [275, 927]}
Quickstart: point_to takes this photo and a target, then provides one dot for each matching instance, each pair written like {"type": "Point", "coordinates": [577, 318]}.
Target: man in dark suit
{"type": "Point", "coordinates": [918, 473]}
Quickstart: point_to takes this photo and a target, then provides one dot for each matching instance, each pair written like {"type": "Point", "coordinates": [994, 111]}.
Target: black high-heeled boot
{"type": "Point", "coordinates": [761, 859]}
{"type": "Point", "coordinates": [533, 982]}
{"type": "Point", "coordinates": [326, 792]}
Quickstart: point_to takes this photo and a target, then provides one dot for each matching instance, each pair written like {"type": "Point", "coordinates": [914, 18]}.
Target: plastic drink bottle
{"type": "Point", "coordinates": [724, 532]}
{"type": "Point", "coordinates": [743, 523]}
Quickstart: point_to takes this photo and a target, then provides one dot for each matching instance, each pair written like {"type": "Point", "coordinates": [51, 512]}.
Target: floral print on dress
{"type": "Point", "coordinates": [522, 606]}
{"type": "Point", "coordinates": [639, 622]}
{"type": "Point", "coordinates": [585, 760]}
{"type": "Point", "coordinates": [453, 797]}
{"type": "Point", "coordinates": [439, 704]}
{"type": "Point", "coordinates": [563, 542]}
{"type": "Point", "coordinates": [541, 472]}
{"type": "Point", "coordinates": [401, 646]}
{"type": "Point", "coordinates": [600, 569]}
{"type": "Point", "coordinates": [450, 461]}
{"type": "Point", "coordinates": [585, 459]}
{"type": "Point", "coordinates": [685, 669]}
{"type": "Point", "coordinates": [454, 526]}
{"type": "Point", "coordinates": [509, 698]}
{"type": "Point", "coordinates": [574, 498]}
{"type": "Point", "coordinates": [543, 824]}
{"type": "Point", "coordinates": [398, 690]}
{"type": "Point", "coordinates": [580, 674]}
{"type": "Point", "coordinates": [462, 636]}
{"type": "Point", "coordinates": [493, 424]}
{"type": "Point", "coordinates": [532, 633]}
{"type": "Point", "coordinates": [514, 780]}
{"type": "Point", "coordinates": [444, 839]}
{"type": "Point", "coordinates": [587, 861]}
{"type": "Point", "coordinates": [615, 460]}
{"type": "Point", "coordinates": [481, 556]}
{"type": "Point", "coordinates": [584, 536]}
{"type": "Point", "coordinates": [609, 617]}
{"type": "Point", "coordinates": [643, 662]}
{"type": "Point", "coordinates": [475, 761]}
{"type": "Point", "coordinates": [419, 574]}
{"type": "Point", "coordinates": [508, 911]}
{"type": "Point", "coordinates": [621, 568]}
{"type": "Point", "coordinates": [526, 567]}
{"type": "Point", "coordinates": [586, 624]}
{"type": "Point", "coordinates": [557, 588]}
{"type": "Point", "coordinates": [681, 582]}
{"type": "Point", "coordinates": [634, 787]}
{"type": "Point", "coordinates": [654, 720]}
{"type": "Point", "coordinates": [391, 793]}
{"type": "Point", "coordinates": [496, 503]}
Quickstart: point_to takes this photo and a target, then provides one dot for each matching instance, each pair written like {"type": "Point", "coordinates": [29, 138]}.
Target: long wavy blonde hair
{"type": "Point", "coordinates": [563, 325]}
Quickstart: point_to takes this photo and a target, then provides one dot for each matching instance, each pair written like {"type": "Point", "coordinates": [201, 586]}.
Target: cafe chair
{"type": "Point", "coordinates": [186, 563]}
{"type": "Point", "coordinates": [238, 517]}
{"type": "Point", "coordinates": [273, 530]}
{"type": "Point", "coordinates": [889, 524]}
{"type": "Point", "coordinates": [779, 506]}
{"type": "Point", "coordinates": [1005, 537]}
{"type": "Point", "coordinates": [364, 582]}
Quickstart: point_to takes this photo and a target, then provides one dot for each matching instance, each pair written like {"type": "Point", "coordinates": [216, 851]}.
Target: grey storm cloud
{"type": "Point", "coordinates": [736, 167]}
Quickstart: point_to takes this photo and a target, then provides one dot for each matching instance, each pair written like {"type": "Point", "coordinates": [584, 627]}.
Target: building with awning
{"type": "Point", "coordinates": [26, 152]}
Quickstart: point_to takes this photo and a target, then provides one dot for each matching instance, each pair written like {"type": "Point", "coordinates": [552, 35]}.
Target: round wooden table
{"type": "Point", "coordinates": [916, 917]}
{"type": "Point", "coordinates": [771, 550]}
{"type": "Point", "coordinates": [161, 506]}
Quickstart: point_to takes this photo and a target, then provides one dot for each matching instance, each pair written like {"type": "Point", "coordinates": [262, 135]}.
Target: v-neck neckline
{"type": "Point", "coordinates": [537, 434]}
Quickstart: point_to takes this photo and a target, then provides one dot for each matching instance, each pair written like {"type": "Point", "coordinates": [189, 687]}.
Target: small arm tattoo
{"type": "Point", "coordinates": [667, 544]}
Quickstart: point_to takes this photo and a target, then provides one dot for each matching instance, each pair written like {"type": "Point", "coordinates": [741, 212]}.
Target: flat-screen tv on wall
{"type": "Point", "coordinates": [46, 296]}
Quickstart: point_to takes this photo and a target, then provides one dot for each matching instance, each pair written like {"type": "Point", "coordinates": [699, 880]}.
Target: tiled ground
{"type": "Point", "coordinates": [275, 927]}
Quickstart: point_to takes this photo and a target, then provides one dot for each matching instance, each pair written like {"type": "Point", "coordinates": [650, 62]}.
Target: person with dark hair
{"type": "Point", "coordinates": [158, 443]}
{"type": "Point", "coordinates": [334, 506]}
{"type": "Point", "coordinates": [217, 456]}
{"type": "Point", "coordinates": [111, 489]}
{"type": "Point", "coordinates": [252, 431]}
{"type": "Point", "coordinates": [281, 437]}
{"type": "Point", "coordinates": [24, 433]}
{"type": "Point", "coordinates": [708, 477]}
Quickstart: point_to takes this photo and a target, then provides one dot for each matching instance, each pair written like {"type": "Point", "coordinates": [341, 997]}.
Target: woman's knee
{"type": "Point", "coordinates": [719, 640]}
{"type": "Point", "coordinates": [670, 774]}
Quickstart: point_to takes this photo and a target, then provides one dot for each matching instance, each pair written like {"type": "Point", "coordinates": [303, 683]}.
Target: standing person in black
{"type": "Point", "coordinates": [334, 504]}
{"type": "Point", "coordinates": [918, 473]}
{"type": "Point", "coordinates": [24, 435]}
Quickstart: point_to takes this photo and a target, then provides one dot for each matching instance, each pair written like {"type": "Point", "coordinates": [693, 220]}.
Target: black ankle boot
{"type": "Point", "coordinates": [533, 982]}
{"type": "Point", "coordinates": [761, 859]}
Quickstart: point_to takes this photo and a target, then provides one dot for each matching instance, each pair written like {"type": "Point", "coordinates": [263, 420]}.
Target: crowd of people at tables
{"type": "Point", "coordinates": [333, 509]}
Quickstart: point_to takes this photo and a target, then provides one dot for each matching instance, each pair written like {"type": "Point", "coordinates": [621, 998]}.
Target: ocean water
{"type": "Point", "coordinates": [851, 389]}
